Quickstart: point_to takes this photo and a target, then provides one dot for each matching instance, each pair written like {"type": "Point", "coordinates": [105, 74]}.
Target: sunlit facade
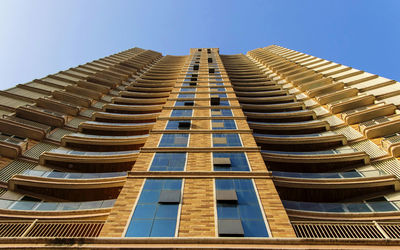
{"type": "Point", "coordinates": [272, 149]}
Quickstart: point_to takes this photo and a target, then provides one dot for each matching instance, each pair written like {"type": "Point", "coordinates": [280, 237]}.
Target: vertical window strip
{"type": "Point", "coordinates": [152, 216]}
{"type": "Point", "coordinates": [181, 112]}
{"type": "Point", "coordinates": [221, 112]}
{"type": "Point", "coordinates": [223, 124]}
{"type": "Point", "coordinates": [226, 140]}
{"type": "Point", "coordinates": [236, 162]}
{"type": "Point", "coordinates": [245, 209]}
{"type": "Point", "coordinates": [168, 162]}
{"type": "Point", "coordinates": [178, 124]}
{"type": "Point", "coordinates": [174, 140]}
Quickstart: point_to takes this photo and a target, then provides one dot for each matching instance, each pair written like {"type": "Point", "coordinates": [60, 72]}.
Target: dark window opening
{"type": "Point", "coordinates": [184, 125]}
{"type": "Point", "coordinates": [189, 104]}
{"type": "Point", "coordinates": [215, 101]}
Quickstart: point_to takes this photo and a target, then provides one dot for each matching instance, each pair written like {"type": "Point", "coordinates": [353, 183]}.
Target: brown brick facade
{"type": "Point", "coordinates": [122, 210]}
{"type": "Point", "coordinates": [197, 215]}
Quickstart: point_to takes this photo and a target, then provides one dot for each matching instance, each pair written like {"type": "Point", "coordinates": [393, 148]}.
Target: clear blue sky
{"type": "Point", "coordinates": [42, 37]}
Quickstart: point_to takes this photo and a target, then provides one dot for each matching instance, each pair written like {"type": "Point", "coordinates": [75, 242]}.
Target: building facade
{"type": "Point", "coordinates": [272, 149]}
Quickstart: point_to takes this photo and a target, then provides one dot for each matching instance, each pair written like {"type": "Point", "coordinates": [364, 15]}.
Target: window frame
{"type": "Point", "coordinates": [172, 110]}
{"type": "Point", "coordinates": [245, 157]}
{"type": "Point", "coordinates": [187, 143]}
{"type": "Point", "coordinates": [240, 140]}
{"type": "Point", "coordinates": [135, 206]}
{"type": "Point", "coordinates": [260, 206]}
{"type": "Point", "coordinates": [154, 156]}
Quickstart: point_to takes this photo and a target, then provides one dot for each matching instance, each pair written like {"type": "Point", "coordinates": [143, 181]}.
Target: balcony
{"type": "Point", "coordinates": [391, 143]}
{"type": "Point", "coordinates": [23, 128]}
{"type": "Point", "coordinates": [337, 95]}
{"type": "Point", "coordinates": [62, 186]}
{"type": "Point", "coordinates": [139, 101]}
{"type": "Point", "coordinates": [12, 146]}
{"type": "Point", "coordinates": [124, 118]}
{"type": "Point", "coordinates": [381, 126]}
{"type": "Point", "coordinates": [364, 114]}
{"type": "Point", "coordinates": [346, 230]}
{"type": "Point", "coordinates": [290, 128]}
{"type": "Point", "coordinates": [290, 116]}
{"type": "Point", "coordinates": [132, 109]}
{"type": "Point", "coordinates": [105, 128]}
{"type": "Point", "coordinates": [357, 211]}
{"type": "Point", "coordinates": [11, 209]}
{"type": "Point", "coordinates": [332, 187]}
{"type": "Point", "coordinates": [340, 159]}
{"type": "Point", "coordinates": [304, 142]}
{"type": "Point", "coordinates": [257, 88]}
{"type": "Point", "coordinates": [351, 103]}
{"type": "Point", "coordinates": [144, 95]}
{"type": "Point", "coordinates": [267, 100]}
{"type": "Point", "coordinates": [88, 142]}
{"type": "Point", "coordinates": [146, 88]}
{"type": "Point", "coordinates": [89, 162]}
{"type": "Point", "coordinates": [40, 115]}
{"type": "Point", "coordinates": [280, 107]}
{"type": "Point", "coordinates": [261, 93]}
{"type": "Point", "coordinates": [50, 228]}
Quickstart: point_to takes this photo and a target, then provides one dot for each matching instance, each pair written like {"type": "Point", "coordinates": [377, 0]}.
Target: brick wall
{"type": "Point", "coordinates": [122, 210]}
{"type": "Point", "coordinates": [197, 215]}
{"type": "Point", "coordinates": [274, 211]}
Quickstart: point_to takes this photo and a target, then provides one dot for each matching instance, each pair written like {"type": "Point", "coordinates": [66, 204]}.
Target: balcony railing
{"type": "Point", "coordinates": [45, 228]}
{"type": "Point", "coordinates": [54, 206]}
{"type": "Point", "coordinates": [342, 150]}
{"type": "Point", "coordinates": [347, 230]}
{"type": "Point", "coordinates": [12, 139]}
{"type": "Point", "coordinates": [338, 175]}
{"type": "Point", "coordinates": [66, 175]}
{"type": "Point", "coordinates": [361, 207]}
{"type": "Point", "coordinates": [66, 151]}
{"type": "Point", "coordinates": [107, 137]}
{"type": "Point", "coordinates": [328, 133]}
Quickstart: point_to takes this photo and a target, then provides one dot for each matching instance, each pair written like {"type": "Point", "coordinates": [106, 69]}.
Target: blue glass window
{"type": "Point", "coordinates": [223, 124]}
{"type": "Point", "coordinates": [186, 95]}
{"type": "Point", "coordinates": [175, 125]}
{"type": "Point", "coordinates": [174, 140]}
{"type": "Point", "coordinates": [191, 74]}
{"type": "Point", "coordinates": [186, 83]}
{"type": "Point", "coordinates": [182, 103]}
{"type": "Point", "coordinates": [238, 162]}
{"type": "Point", "coordinates": [226, 140]}
{"type": "Point", "coordinates": [222, 95]}
{"type": "Point", "coordinates": [224, 103]}
{"type": "Point", "coordinates": [221, 112]}
{"type": "Point", "coordinates": [217, 89]}
{"type": "Point", "coordinates": [168, 162]}
{"type": "Point", "coordinates": [188, 89]}
{"type": "Point", "coordinates": [181, 112]}
{"type": "Point", "coordinates": [247, 208]}
{"type": "Point", "coordinates": [217, 83]}
{"type": "Point", "coordinates": [152, 218]}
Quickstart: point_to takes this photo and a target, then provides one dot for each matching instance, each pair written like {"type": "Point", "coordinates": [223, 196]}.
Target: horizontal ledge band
{"type": "Point", "coordinates": [202, 174]}
{"type": "Point", "coordinates": [209, 149]}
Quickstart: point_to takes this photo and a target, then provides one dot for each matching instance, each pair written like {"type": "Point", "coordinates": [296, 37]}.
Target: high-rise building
{"type": "Point", "coordinates": [272, 149]}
